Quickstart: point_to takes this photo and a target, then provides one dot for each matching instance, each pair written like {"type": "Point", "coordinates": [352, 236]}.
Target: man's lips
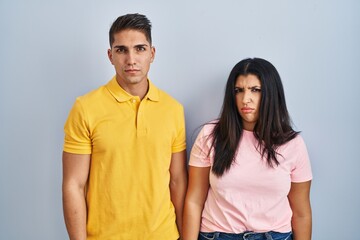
{"type": "Point", "coordinates": [131, 70]}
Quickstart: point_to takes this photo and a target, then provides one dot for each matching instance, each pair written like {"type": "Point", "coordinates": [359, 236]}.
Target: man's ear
{"type": "Point", "coordinates": [153, 50]}
{"type": "Point", "coordinates": [110, 56]}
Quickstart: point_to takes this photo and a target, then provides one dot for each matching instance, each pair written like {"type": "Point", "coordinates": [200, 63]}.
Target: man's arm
{"type": "Point", "coordinates": [178, 185]}
{"type": "Point", "coordinates": [301, 222]}
{"type": "Point", "coordinates": [75, 174]}
{"type": "Point", "coordinates": [194, 202]}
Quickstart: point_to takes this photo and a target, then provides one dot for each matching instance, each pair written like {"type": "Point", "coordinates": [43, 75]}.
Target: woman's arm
{"type": "Point", "coordinates": [194, 202]}
{"type": "Point", "coordinates": [299, 198]}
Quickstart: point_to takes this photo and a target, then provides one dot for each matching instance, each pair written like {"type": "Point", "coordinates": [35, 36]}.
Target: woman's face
{"type": "Point", "coordinates": [248, 97]}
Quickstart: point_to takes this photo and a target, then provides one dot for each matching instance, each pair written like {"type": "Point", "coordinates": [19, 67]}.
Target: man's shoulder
{"type": "Point", "coordinates": [93, 95]}
{"type": "Point", "coordinates": [167, 98]}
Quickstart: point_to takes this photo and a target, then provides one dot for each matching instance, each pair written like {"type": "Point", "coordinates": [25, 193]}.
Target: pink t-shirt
{"type": "Point", "coordinates": [251, 196]}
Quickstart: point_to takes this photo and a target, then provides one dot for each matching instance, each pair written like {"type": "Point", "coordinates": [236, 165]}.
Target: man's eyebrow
{"type": "Point", "coordinates": [120, 46]}
{"type": "Point", "coordinates": [136, 46]}
{"type": "Point", "coordinates": [141, 45]}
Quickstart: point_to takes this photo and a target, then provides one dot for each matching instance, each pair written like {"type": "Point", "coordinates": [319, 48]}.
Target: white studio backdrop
{"type": "Point", "coordinates": [52, 52]}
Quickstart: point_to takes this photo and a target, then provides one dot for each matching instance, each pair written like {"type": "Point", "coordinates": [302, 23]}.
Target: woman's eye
{"type": "Point", "coordinates": [238, 90]}
{"type": "Point", "coordinates": [256, 90]}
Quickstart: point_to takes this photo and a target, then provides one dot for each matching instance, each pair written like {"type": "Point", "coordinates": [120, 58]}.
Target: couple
{"type": "Point", "coordinates": [124, 158]}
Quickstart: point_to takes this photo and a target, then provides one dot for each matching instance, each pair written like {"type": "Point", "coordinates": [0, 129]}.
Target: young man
{"type": "Point", "coordinates": [124, 159]}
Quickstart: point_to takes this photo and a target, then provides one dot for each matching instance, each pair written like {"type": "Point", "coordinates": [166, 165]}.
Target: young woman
{"type": "Point", "coordinates": [249, 173]}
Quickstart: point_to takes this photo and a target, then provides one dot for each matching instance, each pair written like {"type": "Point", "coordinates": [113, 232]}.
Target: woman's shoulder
{"type": "Point", "coordinates": [208, 127]}
{"type": "Point", "coordinates": [296, 143]}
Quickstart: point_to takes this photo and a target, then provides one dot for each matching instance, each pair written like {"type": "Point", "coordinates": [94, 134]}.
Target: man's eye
{"type": "Point", "coordinates": [120, 50]}
{"type": "Point", "coordinates": [140, 49]}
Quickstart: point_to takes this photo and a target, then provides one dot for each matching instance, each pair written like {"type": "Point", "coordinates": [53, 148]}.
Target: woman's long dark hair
{"type": "Point", "coordinates": [273, 127]}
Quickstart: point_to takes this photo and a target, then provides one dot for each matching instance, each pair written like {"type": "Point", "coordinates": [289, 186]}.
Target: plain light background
{"type": "Point", "coordinates": [53, 51]}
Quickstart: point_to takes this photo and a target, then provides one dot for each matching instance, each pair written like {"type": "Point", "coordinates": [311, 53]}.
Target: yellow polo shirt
{"type": "Point", "coordinates": [130, 142]}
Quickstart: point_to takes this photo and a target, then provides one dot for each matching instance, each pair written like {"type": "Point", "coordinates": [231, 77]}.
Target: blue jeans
{"type": "Point", "coordinates": [245, 236]}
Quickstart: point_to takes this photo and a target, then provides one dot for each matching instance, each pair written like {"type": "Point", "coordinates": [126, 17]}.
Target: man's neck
{"type": "Point", "coordinates": [137, 89]}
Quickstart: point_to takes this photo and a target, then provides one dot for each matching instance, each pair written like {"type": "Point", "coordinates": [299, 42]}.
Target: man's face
{"type": "Point", "coordinates": [131, 54]}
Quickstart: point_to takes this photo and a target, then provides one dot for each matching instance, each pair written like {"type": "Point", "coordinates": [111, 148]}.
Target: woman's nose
{"type": "Point", "coordinates": [246, 97]}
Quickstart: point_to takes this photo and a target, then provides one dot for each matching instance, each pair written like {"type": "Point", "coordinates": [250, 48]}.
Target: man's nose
{"type": "Point", "coordinates": [130, 58]}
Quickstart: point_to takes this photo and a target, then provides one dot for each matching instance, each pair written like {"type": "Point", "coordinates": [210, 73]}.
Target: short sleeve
{"type": "Point", "coordinates": [301, 171]}
{"type": "Point", "coordinates": [200, 155]}
{"type": "Point", "coordinates": [77, 134]}
{"type": "Point", "coordinates": [179, 143]}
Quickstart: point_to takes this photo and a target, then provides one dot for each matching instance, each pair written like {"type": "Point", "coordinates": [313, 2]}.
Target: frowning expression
{"type": "Point", "coordinates": [248, 98]}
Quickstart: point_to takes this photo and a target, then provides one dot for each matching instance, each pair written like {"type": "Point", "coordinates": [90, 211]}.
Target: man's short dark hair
{"type": "Point", "coordinates": [134, 21]}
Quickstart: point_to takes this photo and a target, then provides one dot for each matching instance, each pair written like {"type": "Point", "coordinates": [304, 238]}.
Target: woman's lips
{"type": "Point", "coordinates": [247, 110]}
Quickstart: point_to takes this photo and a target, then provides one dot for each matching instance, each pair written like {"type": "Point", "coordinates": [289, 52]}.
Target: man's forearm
{"type": "Point", "coordinates": [75, 213]}
{"type": "Point", "coordinates": [178, 191]}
